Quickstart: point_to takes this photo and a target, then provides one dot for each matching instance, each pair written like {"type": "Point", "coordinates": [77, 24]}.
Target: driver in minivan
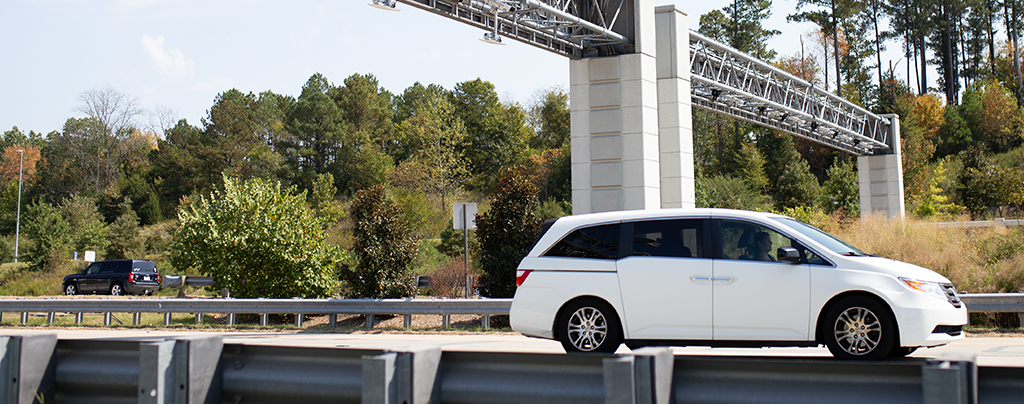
{"type": "Point", "coordinates": [764, 246]}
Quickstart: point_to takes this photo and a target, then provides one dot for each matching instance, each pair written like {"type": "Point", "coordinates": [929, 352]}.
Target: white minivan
{"type": "Point", "coordinates": [725, 278]}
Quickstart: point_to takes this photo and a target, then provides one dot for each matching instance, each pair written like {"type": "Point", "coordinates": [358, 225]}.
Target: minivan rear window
{"type": "Point", "coordinates": [600, 242]}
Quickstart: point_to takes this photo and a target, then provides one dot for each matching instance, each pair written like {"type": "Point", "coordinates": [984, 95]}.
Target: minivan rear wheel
{"type": "Point", "coordinates": [858, 327]}
{"type": "Point", "coordinates": [589, 325]}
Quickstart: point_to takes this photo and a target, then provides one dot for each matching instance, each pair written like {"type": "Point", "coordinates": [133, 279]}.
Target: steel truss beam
{"type": "Point", "coordinates": [723, 79]}
{"type": "Point", "coordinates": [728, 81]}
{"type": "Point", "coordinates": [572, 28]}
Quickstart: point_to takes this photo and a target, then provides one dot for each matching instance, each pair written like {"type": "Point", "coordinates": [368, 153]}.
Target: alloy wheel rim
{"type": "Point", "coordinates": [858, 331]}
{"type": "Point", "coordinates": [587, 329]}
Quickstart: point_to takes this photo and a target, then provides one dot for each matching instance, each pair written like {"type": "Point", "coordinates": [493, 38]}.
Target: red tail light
{"type": "Point", "coordinates": [131, 277]}
{"type": "Point", "coordinates": [156, 277]}
{"type": "Point", "coordinates": [521, 276]}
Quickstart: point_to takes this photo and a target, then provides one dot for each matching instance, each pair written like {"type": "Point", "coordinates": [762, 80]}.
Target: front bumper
{"type": "Point", "coordinates": [924, 323]}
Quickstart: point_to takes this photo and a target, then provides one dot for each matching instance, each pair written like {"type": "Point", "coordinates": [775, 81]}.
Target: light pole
{"type": "Point", "coordinates": [17, 221]}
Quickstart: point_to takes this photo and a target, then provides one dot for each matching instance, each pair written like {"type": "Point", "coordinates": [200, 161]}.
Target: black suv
{"type": "Point", "coordinates": [117, 277]}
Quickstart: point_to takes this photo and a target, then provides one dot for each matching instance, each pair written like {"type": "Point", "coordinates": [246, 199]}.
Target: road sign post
{"type": "Point", "coordinates": [464, 217]}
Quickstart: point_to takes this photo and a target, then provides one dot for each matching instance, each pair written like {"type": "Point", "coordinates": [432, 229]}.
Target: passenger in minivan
{"type": "Point", "coordinates": [763, 243]}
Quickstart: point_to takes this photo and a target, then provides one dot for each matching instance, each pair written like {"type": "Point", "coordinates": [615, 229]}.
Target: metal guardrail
{"type": "Point", "coordinates": [978, 223]}
{"type": "Point", "coordinates": [976, 303]}
{"type": "Point", "coordinates": [995, 303]}
{"type": "Point", "coordinates": [262, 307]}
{"type": "Point", "coordinates": [203, 369]}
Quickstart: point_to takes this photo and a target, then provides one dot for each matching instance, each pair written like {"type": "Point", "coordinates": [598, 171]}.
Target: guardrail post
{"type": "Point", "coordinates": [406, 377]}
{"type": "Point", "coordinates": [106, 318]}
{"type": "Point", "coordinates": [446, 321]}
{"type": "Point", "coordinates": [179, 371]}
{"type": "Point", "coordinates": [653, 370]}
{"type": "Point", "coordinates": [619, 380]}
{"type": "Point", "coordinates": [231, 319]}
{"type": "Point", "coordinates": [298, 320]}
{"type": "Point", "coordinates": [28, 368]}
{"type": "Point", "coordinates": [1021, 316]}
{"type": "Point", "coordinates": [79, 317]}
{"type": "Point", "coordinates": [379, 385]}
{"type": "Point", "coordinates": [167, 318]}
{"type": "Point", "coordinates": [645, 377]}
{"type": "Point", "coordinates": [49, 318]}
{"type": "Point", "coordinates": [136, 318]}
{"type": "Point", "coordinates": [24, 318]}
{"type": "Point", "coordinates": [201, 370]}
{"type": "Point", "coordinates": [950, 379]}
{"type": "Point", "coordinates": [264, 319]}
{"type": "Point", "coordinates": [485, 322]}
{"type": "Point", "coordinates": [369, 321]}
{"type": "Point", "coordinates": [332, 320]}
{"type": "Point", "coordinates": [417, 375]}
{"type": "Point", "coordinates": [157, 383]}
{"type": "Point", "coordinates": [407, 321]}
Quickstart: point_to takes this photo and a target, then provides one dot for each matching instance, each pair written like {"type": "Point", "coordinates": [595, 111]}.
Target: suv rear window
{"type": "Point", "coordinates": [146, 266]}
{"type": "Point", "coordinates": [601, 242]}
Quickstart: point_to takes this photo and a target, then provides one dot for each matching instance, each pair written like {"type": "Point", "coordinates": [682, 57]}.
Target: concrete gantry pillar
{"type": "Point", "coordinates": [614, 107]}
{"type": "Point", "coordinates": [881, 178]}
{"type": "Point", "coordinates": [675, 116]}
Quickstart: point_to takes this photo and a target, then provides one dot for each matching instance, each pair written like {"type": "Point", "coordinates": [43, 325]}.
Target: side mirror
{"type": "Point", "coordinates": [788, 254]}
{"type": "Point", "coordinates": [83, 270]}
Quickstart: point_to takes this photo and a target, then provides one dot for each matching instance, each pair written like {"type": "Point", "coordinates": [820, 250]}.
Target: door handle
{"type": "Point", "coordinates": [702, 279]}
{"type": "Point", "coordinates": [723, 281]}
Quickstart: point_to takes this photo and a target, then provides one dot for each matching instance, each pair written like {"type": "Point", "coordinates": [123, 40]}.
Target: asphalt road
{"type": "Point", "coordinates": [988, 351]}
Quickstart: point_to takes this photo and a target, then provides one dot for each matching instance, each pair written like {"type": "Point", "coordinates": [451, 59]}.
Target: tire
{"type": "Point", "coordinates": [589, 325]}
{"type": "Point", "coordinates": [860, 328]}
{"type": "Point", "coordinates": [70, 289]}
{"type": "Point", "coordinates": [116, 290]}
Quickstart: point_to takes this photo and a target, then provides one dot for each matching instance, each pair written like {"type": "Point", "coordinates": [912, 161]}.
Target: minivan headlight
{"type": "Point", "coordinates": [933, 289]}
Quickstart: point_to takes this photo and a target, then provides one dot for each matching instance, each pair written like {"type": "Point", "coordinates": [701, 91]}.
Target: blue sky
{"type": "Point", "coordinates": [179, 54]}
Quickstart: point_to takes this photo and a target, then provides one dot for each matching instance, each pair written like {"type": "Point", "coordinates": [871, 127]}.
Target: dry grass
{"type": "Point", "coordinates": [976, 260]}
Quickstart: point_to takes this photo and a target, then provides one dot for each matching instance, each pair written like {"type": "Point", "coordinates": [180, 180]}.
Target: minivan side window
{"type": "Point", "coordinates": [742, 240]}
{"type": "Point", "coordinates": [601, 242]}
{"type": "Point", "coordinates": [668, 238]}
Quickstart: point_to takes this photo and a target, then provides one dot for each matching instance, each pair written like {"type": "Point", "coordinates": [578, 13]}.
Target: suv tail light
{"type": "Point", "coordinates": [156, 277]}
{"type": "Point", "coordinates": [131, 277]}
{"type": "Point", "coordinates": [521, 276]}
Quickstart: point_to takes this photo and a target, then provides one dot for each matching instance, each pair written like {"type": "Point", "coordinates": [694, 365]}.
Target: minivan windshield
{"type": "Point", "coordinates": [829, 241]}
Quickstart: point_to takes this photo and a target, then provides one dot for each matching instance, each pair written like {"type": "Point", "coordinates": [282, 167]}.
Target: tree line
{"type": "Point", "coordinates": [357, 181]}
{"type": "Point", "coordinates": [960, 141]}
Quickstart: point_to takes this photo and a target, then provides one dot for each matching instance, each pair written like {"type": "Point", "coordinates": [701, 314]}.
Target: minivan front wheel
{"type": "Point", "coordinates": [589, 325]}
{"type": "Point", "coordinates": [859, 327]}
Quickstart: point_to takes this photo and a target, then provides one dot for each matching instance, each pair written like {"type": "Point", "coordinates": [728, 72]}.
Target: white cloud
{"type": "Point", "coordinates": [171, 63]}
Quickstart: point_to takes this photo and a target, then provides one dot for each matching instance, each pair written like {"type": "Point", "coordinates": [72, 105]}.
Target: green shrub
{"type": "Point", "coordinates": [257, 240]}
{"type": "Point", "coordinates": [51, 234]}
{"type": "Point", "coordinates": [720, 191]}
{"type": "Point", "coordinates": [125, 241]}
{"type": "Point", "coordinates": [384, 246]}
{"type": "Point", "coordinates": [506, 232]}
